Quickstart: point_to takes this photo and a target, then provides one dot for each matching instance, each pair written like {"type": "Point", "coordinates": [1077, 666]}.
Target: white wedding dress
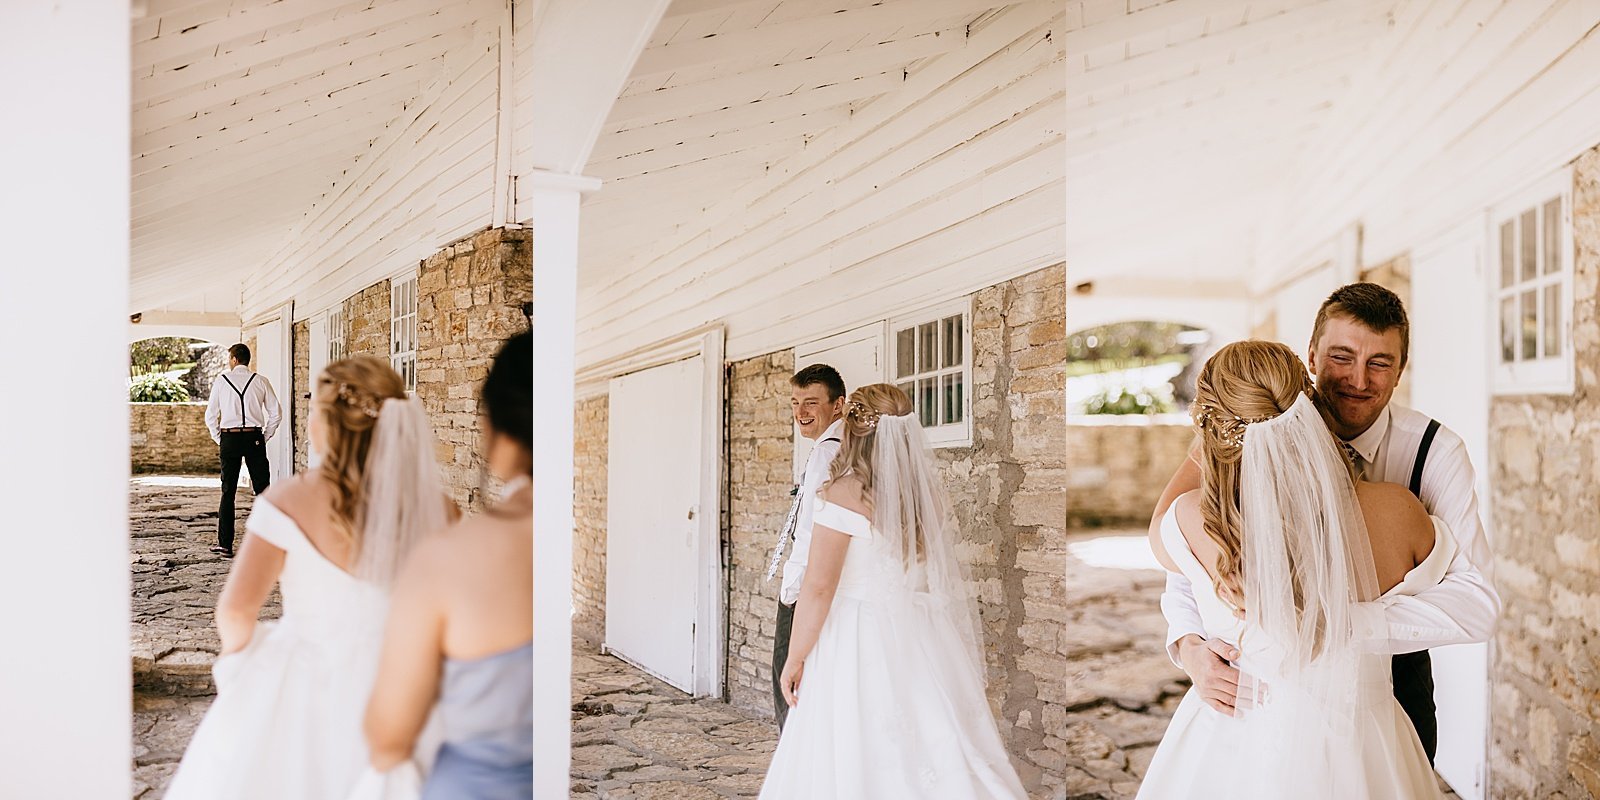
{"type": "Point", "coordinates": [287, 720]}
{"type": "Point", "coordinates": [1205, 753]}
{"type": "Point", "coordinates": [892, 706]}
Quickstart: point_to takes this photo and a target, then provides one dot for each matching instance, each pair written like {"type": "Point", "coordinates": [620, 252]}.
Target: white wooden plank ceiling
{"type": "Point", "coordinates": [726, 89]}
{"type": "Point", "coordinates": [245, 112]}
{"type": "Point", "coordinates": [1186, 116]}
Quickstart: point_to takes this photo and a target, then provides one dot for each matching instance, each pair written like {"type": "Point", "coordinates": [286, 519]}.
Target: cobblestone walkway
{"type": "Point", "coordinates": [173, 520]}
{"type": "Point", "coordinates": [635, 737]}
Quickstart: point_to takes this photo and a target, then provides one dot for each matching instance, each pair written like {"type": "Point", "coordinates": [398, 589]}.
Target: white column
{"type": "Point", "coordinates": [64, 580]}
{"type": "Point", "coordinates": [552, 209]}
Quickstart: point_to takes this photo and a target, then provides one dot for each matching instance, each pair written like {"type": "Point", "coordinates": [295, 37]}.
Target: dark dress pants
{"type": "Point", "coordinates": [249, 447]}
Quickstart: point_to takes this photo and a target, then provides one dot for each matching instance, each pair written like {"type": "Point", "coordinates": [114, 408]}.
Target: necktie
{"type": "Point", "coordinates": [787, 536]}
{"type": "Point", "coordinates": [1356, 459]}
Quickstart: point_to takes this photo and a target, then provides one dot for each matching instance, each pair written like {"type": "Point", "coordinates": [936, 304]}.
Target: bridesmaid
{"type": "Point", "coordinates": [461, 622]}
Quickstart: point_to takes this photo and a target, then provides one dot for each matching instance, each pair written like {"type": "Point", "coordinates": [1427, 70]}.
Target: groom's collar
{"type": "Point", "coordinates": [1371, 439]}
{"type": "Point", "coordinates": [834, 431]}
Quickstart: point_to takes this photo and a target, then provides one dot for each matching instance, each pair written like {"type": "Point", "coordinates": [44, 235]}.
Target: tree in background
{"type": "Point", "coordinates": [158, 355]}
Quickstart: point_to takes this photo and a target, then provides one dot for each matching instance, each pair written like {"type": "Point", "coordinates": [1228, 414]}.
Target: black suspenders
{"type": "Point", "coordinates": [244, 421]}
{"type": "Point", "coordinates": [1422, 457]}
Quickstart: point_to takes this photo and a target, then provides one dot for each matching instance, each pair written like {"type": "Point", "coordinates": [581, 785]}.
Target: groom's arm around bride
{"type": "Point", "coordinates": [1358, 352]}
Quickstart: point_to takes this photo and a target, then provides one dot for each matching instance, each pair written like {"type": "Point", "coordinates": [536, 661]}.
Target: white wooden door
{"type": "Point", "coordinates": [856, 354]}
{"type": "Point", "coordinates": [271, 361]}
{"type": "Point", "coordinates": [1450, 382]}
{"type": "Point", "coordinates": [653, 549]}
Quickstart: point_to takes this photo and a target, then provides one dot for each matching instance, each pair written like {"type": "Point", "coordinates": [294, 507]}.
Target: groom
{"type": "Point", "coordinates": [1359, 346]}
{"type": "Point", "coordinates": [816, 399]}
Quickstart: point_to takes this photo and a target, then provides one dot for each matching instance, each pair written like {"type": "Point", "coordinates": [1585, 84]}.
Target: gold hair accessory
{"type": "Point", "coordinates": [867, 416]}
{"type": "Point", "coordinates": [353, 399]}
{"type": "Point", "coordinates": [1229, 428]}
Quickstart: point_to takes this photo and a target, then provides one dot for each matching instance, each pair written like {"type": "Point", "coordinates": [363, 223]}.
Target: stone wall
{"type": "Point", "coordinates": [760, 465]}
{"type": "Point", "coordinates": [299, 406]}
{"type": "Point", "coordinates": [1545, 462]}
{"type": "Point", "coordinates": [367, 314]}
{"type": "Point", "coordinates": [1010, 493]}
{"type": "Point", "coordinates": [1008, 487]}
{"type": "Point", "coordinates": [171, 438]}
{"type": "Point", "coordinates": [590, 440]}
{"type": "Point", "coordinates": [469, 299]}
{"type": "Point", "coordinates": [1118, 465]}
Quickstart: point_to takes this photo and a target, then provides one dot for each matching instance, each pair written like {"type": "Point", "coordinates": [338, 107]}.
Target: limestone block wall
{"type": "Point", "coordinates": [590, 440]}
{"type": "Point", "coordinates": [1545, 480]}
{"type": "Point", "coordinates": [1009, 488]}
{"type": "Point", "coordinates": [170, 437]}
{"type": "Point", "coordinates": [1118, 465]}
{"type": "Point", "coordinates": [469, 299]}
{"type": "Point", "coordinates": [470, 296]}
{"type": "Point", "coordinates": [760, 452]}
{"type": "Point", "coordinates": [367, 314]}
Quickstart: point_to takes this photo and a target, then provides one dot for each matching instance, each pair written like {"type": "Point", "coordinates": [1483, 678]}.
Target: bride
{"type": "Point", "coordinates": [885, 668]}
{"type": "Point", "coordinates": [1277, 543]}
{"type": "Point", "coordinates": [290, 694]}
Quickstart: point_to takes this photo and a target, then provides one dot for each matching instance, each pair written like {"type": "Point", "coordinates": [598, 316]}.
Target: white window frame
{"type": "Point", "coordinates": [403, 327]}
{"type": "Point", "coordinates": [943, 434]}
{"type": "Point", "coordinates": [1542, 374]}
{"type": "Point", "coordinates": [338, 334]}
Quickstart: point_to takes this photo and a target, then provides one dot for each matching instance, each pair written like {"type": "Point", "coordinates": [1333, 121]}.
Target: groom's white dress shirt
{"type": "Point", "coordinates": [816, 472]}
{"type": "Point", "coordinates": [257, 409]}
{"type": "Point", "coordinates": [1460, 609]}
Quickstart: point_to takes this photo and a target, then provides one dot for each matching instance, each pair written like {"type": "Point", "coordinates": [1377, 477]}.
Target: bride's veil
{"type": "Point", "coordinates": [404, 498]}
{"type": "Point", "coordinates": [912, 512]}
{"type": "Point", "coordinates": [1306, 559]}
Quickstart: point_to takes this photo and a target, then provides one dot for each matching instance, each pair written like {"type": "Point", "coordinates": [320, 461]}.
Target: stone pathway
{"type": "Point", "coordinates": [172, 521]}
{"type": "Point", "coordinates": [636, 737]}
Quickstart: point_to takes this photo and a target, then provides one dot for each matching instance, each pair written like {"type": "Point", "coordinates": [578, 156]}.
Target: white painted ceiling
{"type": "Point", "coordinates": [726, 90]}
{"type": "Point", "coordinates": [1186, 119]}
{"type": "Point", "coordinates": [245, 112]}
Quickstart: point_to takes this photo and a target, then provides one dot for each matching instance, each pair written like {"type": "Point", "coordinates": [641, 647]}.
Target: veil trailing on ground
{"type": "Point", "coordinates": [912, 512]}
{"type": "Point", "coordinates": [1307, 559]}
{"type": "Point", "coordinates": [404, 498]}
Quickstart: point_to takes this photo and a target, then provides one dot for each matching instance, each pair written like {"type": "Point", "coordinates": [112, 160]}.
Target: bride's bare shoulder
{"type": "Point", "coordinates": [846, 491]}
{"type": "Point", "coordinates": [1391, 510]}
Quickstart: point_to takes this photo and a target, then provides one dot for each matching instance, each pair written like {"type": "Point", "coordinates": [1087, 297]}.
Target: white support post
{"type": "Point", "coordinates": [552, 211]}
{"type": "Point", "coordinates": [64, 582]}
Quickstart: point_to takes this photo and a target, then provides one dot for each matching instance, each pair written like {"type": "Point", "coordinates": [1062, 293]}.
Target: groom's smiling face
{"type": "Point", "coordinates": [1357, 370]}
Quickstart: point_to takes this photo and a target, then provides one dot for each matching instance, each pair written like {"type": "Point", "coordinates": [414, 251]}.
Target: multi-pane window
{"type": "Point", "coordinates": [338, 331]}
{"type": "Point", "coordinates": [403, 329]}
{"type": "Point", "coordinates": [1531, 278]}
{"type": "Point", "coordinates": [931, 364]}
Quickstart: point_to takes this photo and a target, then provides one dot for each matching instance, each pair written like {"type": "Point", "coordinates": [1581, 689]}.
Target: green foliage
{"type": "Point", "coordinates": [1122, 401]}
{"type": "Point", "coordinates": [157, 388]}
{"type": "Point", "coordinates": [160, 354]}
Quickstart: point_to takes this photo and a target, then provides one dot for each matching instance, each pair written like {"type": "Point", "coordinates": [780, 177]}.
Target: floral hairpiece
{"type": "Point", "coordinates": [869, 417]}
{"type": "Point", "coordinates": [352, 398]}
{"type": "Point", "coordinates": [1229, 428]}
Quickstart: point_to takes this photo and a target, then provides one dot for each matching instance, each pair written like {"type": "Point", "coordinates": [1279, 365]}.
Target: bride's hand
{"type": "Point", "coordinates": [790, 681]}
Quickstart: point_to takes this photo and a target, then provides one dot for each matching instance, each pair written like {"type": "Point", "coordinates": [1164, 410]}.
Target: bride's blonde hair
{"type": "Point", "coordinates": [1243, 383]}
{"type": "Point", "coordinates": [348, 399]}
{"type": "Point", "coordinates": [863, 410]}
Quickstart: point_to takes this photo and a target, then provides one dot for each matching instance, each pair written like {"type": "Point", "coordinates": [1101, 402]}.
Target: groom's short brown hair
{"type": "Point", "coordinates": [1371, 305]}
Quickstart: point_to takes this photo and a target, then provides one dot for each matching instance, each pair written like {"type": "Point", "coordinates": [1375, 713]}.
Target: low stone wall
{"type": "Point", "coordinates": [1118, 465]}
{"type": "Point", "coordinates": [171, 438]}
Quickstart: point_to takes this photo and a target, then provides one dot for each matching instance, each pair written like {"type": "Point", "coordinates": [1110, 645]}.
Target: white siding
{"type": "Point", "coordinates": [949, 182]}
{"type": "Point", "coordinates": [429, 179]}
